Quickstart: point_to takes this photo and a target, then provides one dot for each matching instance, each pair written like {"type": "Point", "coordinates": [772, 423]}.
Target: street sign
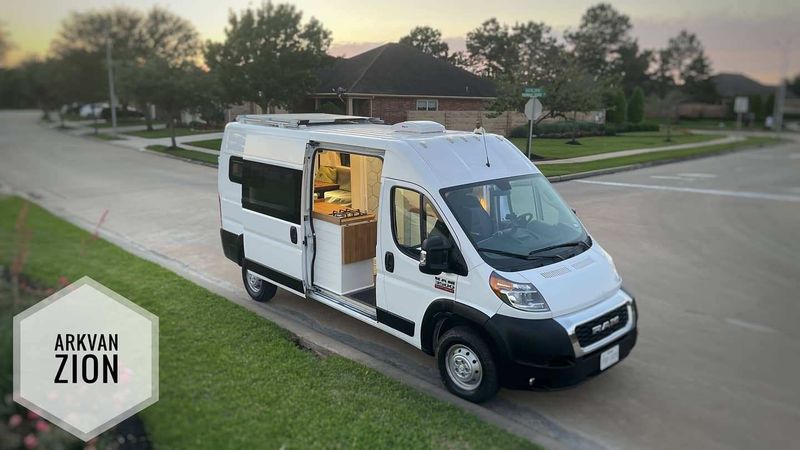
{"type": "Point", "coordinates": [741, 105]}
{"type": "Point", "coordinates": [533, 109]}
{"type": "Point", "coordinates": [532, 92]}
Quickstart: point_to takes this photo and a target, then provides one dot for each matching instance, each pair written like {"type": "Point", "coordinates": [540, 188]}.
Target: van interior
{"type": "Point", "coordinates": [347, 188]}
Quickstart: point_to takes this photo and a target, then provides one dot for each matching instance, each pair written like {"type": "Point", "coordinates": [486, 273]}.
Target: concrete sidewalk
{"type": "Point", "coordinates": [639, 151]}
{"type": "Point", "coordinates": [138, 143]}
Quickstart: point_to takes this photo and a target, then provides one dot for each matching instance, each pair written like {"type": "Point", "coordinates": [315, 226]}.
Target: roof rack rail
{"type": "Point", "coordinates": [302, 120]}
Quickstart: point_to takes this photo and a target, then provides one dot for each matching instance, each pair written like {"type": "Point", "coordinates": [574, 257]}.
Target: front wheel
{"type": "Point", "coordinates": [466, 366]}
{"type": "Point", "coordinates": [259, 289]}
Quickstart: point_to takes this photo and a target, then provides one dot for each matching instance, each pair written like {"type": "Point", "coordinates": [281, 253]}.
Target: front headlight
{"type": "Point", "coordinates": [522, 296]}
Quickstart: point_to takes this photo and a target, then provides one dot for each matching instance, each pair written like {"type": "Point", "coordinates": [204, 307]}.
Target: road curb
{"type": "Point", "coordinates": [180, 158]}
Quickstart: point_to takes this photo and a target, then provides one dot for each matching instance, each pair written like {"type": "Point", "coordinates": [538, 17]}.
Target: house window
{"type": "Point", "coordinates": [427, 105]}
{"type": "Point", "coordinates": [272, 190]}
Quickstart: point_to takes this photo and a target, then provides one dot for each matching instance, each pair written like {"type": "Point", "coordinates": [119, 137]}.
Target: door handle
{"type": "Point", "coordinates": [388, 262]}
{"type": "Point", "coordinates": [293, 235]}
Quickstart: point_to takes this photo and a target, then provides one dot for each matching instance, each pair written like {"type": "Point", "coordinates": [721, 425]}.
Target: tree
{"type": "Point", "coordinates": [171, 88]}
{"type": "Point", "coordinates": [5, 45]}
{"type": "Point", "coordinates": [162, 36]}
{"type": "Point", "coordinates": [428, 40]}
{"type": "Point", "coordinates": [757, 108]}
{"type": "Point", "coordinates": [601, 38]}
{"type": "Point", "coordinates": [666, 107]}
{"type": "Point", "coordinates": [633, 67]}
{"type": "Point", "coordinates": [618, 108]}
{"type": "Point", "coordinates": [636, 106]}
{"type": "Point", "coordinates": [91, 31]}
{"type": "Point", "coordinates": [523, 55]}
{"type": "Point", "coordinates": [492, 49]}
{"type": "Point", "coordinates": [769, 105]}
{"type": "Point", "coordinates": [269, 56]}
{"type": "Point", "coordinates": [794, 85]}
{"type": "Point", "coordinates": [684, 64]}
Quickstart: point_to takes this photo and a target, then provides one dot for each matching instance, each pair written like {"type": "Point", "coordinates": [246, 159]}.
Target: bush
{"type": "Point", "coordinates": [636, 107]}
{"type": "Point", "coordinates": [560, 129]}
{"type": "Point", "coordinates": [618, 110]}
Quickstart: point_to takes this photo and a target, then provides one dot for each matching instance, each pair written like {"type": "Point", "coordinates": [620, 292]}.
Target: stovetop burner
{"type": "Point", "coordinates": [347, 213]}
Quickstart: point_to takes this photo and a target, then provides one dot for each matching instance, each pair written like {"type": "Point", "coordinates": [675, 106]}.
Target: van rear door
{"type": "Point", "coordinates": [271, 206]}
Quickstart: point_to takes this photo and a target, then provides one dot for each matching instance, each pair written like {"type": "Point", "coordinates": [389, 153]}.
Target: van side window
{"type": "Point", "coordinates": [235, 169]}
{"type": "Point", "coordinates": [414, 219]}
{"type": "Point", "coordinates": [272, 190]}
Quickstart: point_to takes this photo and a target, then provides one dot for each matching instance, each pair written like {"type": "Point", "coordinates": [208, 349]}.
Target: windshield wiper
{"type": "Point", "coordinates": [566, 244]}
{"type": "Point", "coordinates": [528, 257]}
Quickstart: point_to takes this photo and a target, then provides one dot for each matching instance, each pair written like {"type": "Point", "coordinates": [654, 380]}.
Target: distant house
{"type": "Point", "coordinates": [393, 79]}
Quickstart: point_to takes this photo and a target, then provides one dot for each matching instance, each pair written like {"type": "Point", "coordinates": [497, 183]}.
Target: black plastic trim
{"type": "Point", "coordinates": [230, 245]}
{"type": "Point", "coordinates": [400, 324]}
{"type": "Point", "coordinates": [443, 308]}
{"type": "Point", "coordinates": [273, 275]}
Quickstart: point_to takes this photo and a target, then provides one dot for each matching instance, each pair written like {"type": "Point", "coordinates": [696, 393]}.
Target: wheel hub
{"type": "Point", "coordinates": [253, 282]}
{"type": "Point", "coordinates": [464, 367]}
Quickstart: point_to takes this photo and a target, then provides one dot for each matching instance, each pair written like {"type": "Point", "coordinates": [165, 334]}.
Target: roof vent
{"type": "Point", "coordinates": [418, 127]}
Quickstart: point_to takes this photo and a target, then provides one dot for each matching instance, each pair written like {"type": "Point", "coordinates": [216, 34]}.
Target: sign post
{"type": "Point", "coordinates": [740, 106]}
{"type": "Point", "coordinates": [533, 109]}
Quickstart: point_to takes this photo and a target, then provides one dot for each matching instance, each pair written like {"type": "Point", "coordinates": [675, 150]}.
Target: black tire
{"type": "Point", "coordinates": [262, 291]}
{"type": "Point", "coordinates": [474, 356]}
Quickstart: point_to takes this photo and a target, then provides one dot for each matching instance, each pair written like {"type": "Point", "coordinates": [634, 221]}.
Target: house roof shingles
{"type": "Point", "coordinates": [399, 69]}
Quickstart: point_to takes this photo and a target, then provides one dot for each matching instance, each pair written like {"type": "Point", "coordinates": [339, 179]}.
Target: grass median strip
{"type": "Point", "coordinates": [185, 153]}
{"type": "Point", "coordinates": [665, 155]}
{"type": "Point", "coordinates": [165, 132]}
{"type": "Point", "coordinates": [211, 144]}
{"type": "Point", "coordinates": [230, 379]}
{"type": "Point", "coordinates": [559, 149]}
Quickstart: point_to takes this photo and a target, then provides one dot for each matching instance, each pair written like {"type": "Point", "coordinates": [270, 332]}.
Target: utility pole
{"type": "Point", "coordinates": [111, 93]}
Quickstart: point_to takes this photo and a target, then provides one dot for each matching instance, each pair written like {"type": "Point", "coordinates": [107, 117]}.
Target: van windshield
{"type": "Point", "coordinates": [517, 223]}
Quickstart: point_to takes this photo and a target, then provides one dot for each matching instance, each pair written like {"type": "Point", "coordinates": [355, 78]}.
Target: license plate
{"type": "Point", "coordinates": [609, 357]}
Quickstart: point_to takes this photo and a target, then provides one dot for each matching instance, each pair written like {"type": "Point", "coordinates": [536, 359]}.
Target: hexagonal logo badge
{"type": "Point", "coordinates": [85, 358]}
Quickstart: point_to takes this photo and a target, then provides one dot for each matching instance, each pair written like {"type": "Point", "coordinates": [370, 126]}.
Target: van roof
{"type": "Point", "coordinates": [449, 157]}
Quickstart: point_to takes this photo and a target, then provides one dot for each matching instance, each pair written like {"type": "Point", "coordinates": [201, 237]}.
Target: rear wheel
{"type": "Point", "coordinates": [259, 289]}
{"type": "Point", "coordinates": [466, 366]}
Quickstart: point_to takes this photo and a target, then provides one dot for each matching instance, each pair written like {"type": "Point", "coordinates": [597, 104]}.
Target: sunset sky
{"type": "Point", "coordinates": [739, 36]}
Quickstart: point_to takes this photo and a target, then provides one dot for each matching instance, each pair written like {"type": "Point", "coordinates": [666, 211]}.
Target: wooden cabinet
{"type": "Point", "coordinates": [345, 252]}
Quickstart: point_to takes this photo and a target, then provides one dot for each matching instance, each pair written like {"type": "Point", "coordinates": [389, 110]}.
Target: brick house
{"type": "Point", "coordinates": [393, 79]}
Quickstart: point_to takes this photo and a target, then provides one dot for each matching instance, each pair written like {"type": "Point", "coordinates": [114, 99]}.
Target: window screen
{"type": "Point", "coordinates": [272, 190]}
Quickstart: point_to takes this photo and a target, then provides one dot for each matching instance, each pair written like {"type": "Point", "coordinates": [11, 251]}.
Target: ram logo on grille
{"type": "Point", "coordinates": [605, 325]}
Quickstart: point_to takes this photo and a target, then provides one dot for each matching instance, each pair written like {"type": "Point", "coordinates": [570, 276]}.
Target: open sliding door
{"type": "Point", "coordinates": [272, 199]}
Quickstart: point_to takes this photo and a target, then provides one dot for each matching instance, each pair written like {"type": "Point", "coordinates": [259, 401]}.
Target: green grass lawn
{"type": "Point", "coordinates": [559, 149]}
{"type": "Point", "coordinates": [185, 153]}
{"type": "Point", "coordinates": [566, 169]}
{"type": "Point", "coordinates": [211, 144]}
{"type": "Point", "coordinates": [229, 378]}
{"type": "Point", "coordinates": [164, 132]}
{"type": "Point", "coordinates": [123, 123]}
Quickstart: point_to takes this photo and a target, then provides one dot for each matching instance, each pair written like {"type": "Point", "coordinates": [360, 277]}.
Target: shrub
{"type": "Point", "coordinates": [560, 129]}
{"type": "Point", "coordinates": [618, 109]}
{"type": "Point", "coordinates": [636, 107]}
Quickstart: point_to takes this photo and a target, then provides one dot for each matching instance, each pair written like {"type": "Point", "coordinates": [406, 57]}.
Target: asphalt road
{"type": "Point", "coordinates": [710, 248]}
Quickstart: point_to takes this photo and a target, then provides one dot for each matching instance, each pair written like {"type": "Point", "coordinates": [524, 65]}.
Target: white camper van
{"type": "Point", "coordinates": [451, 241]}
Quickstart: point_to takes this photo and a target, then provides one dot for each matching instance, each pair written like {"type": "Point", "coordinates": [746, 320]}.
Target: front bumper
{"type": "Point", "coordinates": [548, 351]}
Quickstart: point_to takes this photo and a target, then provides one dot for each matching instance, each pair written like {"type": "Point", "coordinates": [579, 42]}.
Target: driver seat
{"type": "Point", "coordinates": [468, 210]}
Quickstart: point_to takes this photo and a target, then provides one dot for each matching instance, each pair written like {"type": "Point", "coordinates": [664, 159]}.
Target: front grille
{"type": "Point", "coordinates": [601, 327]}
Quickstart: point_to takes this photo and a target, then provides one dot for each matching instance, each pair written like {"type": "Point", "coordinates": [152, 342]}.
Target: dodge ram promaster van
{"type": "Point", "coordinates": [451, 241]}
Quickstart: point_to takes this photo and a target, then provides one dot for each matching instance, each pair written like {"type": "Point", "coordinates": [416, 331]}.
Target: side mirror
{"type": "Point", "coordinates": [434, 257]}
